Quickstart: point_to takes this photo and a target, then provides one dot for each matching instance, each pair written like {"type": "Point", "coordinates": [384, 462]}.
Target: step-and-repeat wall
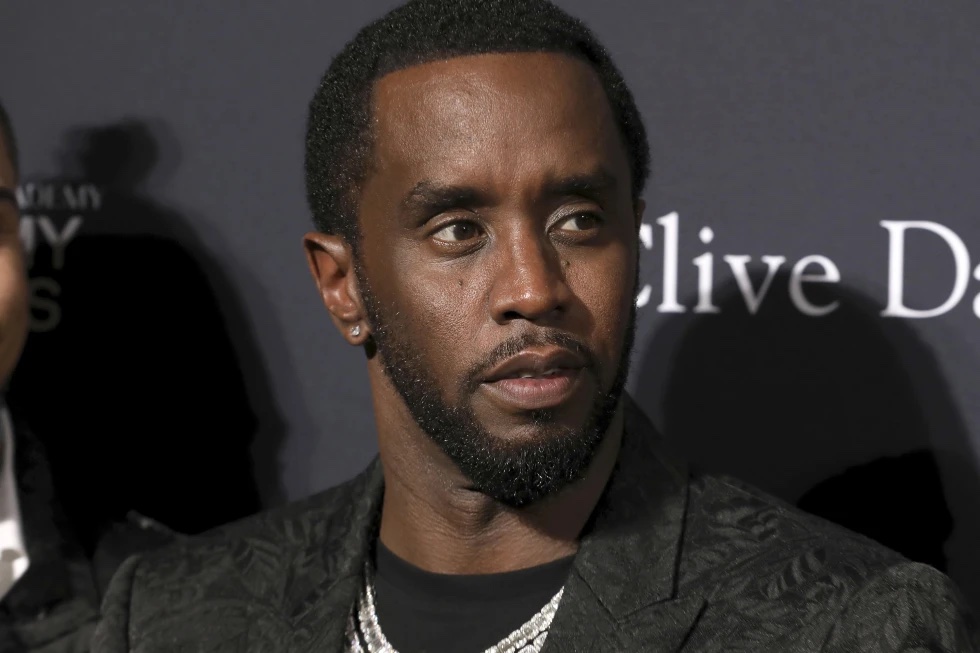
{"type": "Point", "coordinates": [810, 303]}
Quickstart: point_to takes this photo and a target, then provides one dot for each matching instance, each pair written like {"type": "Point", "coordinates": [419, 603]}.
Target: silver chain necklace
{"type": "Point", "coordinates": [364, 633]}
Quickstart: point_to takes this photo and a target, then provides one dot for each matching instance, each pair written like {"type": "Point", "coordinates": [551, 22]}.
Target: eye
{"type": "Point", "coordinates": [458, 232]}
{"type": "Point", "coordinates": [579, 222]}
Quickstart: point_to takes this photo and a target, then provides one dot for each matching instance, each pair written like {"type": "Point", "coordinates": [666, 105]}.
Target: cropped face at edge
{"type": "Point", "coordinates": [14, 314]}
{"type": "Point", "coordinates": [498, 261]}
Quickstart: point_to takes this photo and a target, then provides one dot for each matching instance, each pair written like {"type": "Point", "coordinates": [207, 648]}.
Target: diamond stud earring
{"type": "Point", "coordinates": [355, 330]}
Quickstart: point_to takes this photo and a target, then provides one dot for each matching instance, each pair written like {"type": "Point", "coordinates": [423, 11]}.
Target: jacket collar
{"type": "Point", "coordinates": [58, 574]}
{"type": "Point", "coordinates": [348, 537]}
{"type": "Point", "coordinates": [623, 591]}
{"type": "Point", "coordinates": [627, 563]}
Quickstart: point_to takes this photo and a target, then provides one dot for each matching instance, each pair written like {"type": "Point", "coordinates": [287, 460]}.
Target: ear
{"type": "Point", "coordinates": [332, 266]}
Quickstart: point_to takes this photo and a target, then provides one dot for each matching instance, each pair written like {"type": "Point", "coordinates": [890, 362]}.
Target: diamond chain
{"type": "Point", "coordinates": [364, 634]}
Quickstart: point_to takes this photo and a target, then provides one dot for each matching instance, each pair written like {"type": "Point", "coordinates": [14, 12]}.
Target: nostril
{"type": "Point", "coordinates": [531, 313]}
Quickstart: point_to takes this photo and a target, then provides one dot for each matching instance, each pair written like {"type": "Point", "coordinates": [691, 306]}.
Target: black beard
{"type": "Point", "coordinates": [516, 473]}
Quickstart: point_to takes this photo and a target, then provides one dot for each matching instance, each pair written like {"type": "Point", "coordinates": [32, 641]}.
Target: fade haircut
{"type": "Point", "coordinates": [338, 136]}
{"type": "Point", "coordinates": [7, 133]}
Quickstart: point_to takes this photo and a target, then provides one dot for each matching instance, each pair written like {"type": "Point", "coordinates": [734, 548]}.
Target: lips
{"type": "Point", "coordinates": [535, 379]}
{"type": "Point", "coordinates": [532, 363]}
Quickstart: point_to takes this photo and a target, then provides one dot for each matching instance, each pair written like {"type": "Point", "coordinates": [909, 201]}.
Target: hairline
{"type": "Point", "coordinates": [372, 106]}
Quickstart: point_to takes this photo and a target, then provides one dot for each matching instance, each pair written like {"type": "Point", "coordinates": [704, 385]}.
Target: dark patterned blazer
{"type": "Point", "coordinates": [672, 561]}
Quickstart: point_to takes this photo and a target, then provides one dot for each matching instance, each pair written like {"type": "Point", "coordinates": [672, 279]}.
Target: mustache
{"type": "Point", "coordinates": [517, 344]}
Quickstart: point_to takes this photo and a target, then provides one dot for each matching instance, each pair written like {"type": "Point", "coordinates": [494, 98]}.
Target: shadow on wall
{"type": "Point", "coordinates": [141, 375]}
{"type": "Point", "coordinates": [846, 414]}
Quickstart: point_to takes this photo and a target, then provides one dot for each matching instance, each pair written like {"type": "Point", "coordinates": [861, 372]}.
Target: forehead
{"type": "Point", "coordinates": [494, 115]}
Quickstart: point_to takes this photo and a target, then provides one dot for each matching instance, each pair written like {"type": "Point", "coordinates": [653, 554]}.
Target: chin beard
{"type": "Point", "coordinates": [519, 472]}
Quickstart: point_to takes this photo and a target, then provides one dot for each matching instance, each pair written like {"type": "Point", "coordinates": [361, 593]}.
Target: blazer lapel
{"type": "Point", "coordinates": [318, 617]}
{"type": "Point", "coordinates": [622, 594]}
{"type": "Point", "coordinates": [56, 596]}
{"type": "Point", "coordinates": [58, 570]}
{"type": "Point", "coordinates": [663, 627]}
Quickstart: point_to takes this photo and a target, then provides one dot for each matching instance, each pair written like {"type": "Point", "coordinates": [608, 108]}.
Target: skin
{"type": "Point", "coordinates": [14, 313]}
{"type": "Point", "coordinates": [520, 251]}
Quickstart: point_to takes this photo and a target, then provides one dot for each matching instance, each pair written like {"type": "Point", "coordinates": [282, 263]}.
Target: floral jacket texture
{"type": "Point", "coordinates": [672, 561]}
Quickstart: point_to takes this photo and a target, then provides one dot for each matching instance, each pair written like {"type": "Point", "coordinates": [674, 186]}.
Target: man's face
{"type": "Point", "coordinates": [14, 315]}
{"type": "Point", "coordinates": [498, 262]}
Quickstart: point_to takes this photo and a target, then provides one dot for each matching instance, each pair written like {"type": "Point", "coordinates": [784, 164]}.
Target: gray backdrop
{"type": "Point", "coordinates": [845, 129]}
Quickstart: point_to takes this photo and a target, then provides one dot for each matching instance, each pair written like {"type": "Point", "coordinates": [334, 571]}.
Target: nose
{"type": "Point", "coordinates": [530, 283]}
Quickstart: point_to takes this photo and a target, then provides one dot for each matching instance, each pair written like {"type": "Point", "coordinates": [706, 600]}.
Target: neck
{"type": "Point", "coordinates": [431, 519]}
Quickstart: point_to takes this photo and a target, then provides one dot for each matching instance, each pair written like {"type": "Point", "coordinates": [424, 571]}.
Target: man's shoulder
{"type": "Point", "coordinates": [242, 584]}
{"type": "Point", "coordinates": [774, 575]}
{"type": "Point", "coordinates": [760, 530]}
{"type": "Point", "coordinates": [262, 545]}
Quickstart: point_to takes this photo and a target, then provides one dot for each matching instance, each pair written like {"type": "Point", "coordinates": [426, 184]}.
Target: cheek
{"type": "Point", "coordinates": [604, 286]}
{"type": "Point", "coordinates": [434, 307]}
{"type": "Point", "coordinates": [14, 313]}
{"type": "Point", "coordinates": [436, 303]}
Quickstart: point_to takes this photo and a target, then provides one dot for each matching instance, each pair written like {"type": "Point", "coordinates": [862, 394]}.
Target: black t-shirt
{"type": "Point", "coordinates": [423, 612]}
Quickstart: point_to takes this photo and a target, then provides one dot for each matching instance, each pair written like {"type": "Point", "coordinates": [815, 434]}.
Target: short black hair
{"type": "Point", "coordinates": [338, 136]}
{"type": "Point", "coordinates": [7, 132]}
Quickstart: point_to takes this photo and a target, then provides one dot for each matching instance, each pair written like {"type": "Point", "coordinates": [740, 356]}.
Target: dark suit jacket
{"type": "Point", "coordinates": [672, 561]}
{"type": "Point", "coordinates": [54, 606]}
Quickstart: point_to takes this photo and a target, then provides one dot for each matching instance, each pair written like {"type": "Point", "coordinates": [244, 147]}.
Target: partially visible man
{"type": "Point", "coordinates": [50, 589]}
{"type": "Point", "coordinates": [475, 169]}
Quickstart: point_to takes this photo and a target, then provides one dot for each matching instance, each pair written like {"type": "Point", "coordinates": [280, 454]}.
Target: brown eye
{"type": "Point", "coordinates": [457, 232]}
{"type": "Point", "coordinates": [579, 222]}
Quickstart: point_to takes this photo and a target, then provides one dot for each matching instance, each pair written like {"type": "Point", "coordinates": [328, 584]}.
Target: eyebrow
{"type": "Point", "coordinates": [589, 184]}
{"type": "Point", "coordinates": [434, 197]}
